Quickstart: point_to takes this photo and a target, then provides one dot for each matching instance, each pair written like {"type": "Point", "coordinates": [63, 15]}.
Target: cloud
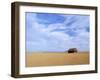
{"type": "Point", "coordinates": [56, 37]}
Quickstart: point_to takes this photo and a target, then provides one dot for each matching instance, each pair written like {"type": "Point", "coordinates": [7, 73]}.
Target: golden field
{"type": "Point", "coordinates": [56, 59]}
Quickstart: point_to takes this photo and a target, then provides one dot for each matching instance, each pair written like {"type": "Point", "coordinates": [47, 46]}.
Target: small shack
{"type": "Point", "coordinates": [72, 50]}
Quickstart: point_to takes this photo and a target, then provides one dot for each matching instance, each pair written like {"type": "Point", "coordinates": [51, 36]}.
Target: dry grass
{"type": "Point", "coordinates": [56, 59]}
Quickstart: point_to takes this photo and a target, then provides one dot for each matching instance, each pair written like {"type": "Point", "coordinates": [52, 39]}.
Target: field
{"type": "Point", "coordinates": [56, 59]}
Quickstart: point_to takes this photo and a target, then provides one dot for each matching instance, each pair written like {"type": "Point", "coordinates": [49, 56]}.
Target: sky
{"type": "Point", "coordinates": [49, 32]}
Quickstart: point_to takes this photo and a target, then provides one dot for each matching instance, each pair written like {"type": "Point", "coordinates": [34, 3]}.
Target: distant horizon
{"type": "Point", "coordinates": [52, 51]}
{"type": "Point", "coordinates": [49, 32]}
{"type": "Point", "coordinates": [58, 52]}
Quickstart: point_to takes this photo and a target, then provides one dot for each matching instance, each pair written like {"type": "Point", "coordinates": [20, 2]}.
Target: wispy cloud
{"type": "Point", "coordinates": [56, 32]}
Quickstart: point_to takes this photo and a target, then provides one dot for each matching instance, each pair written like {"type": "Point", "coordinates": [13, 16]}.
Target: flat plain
{"type": "Point", "coordinates": [37, 59]}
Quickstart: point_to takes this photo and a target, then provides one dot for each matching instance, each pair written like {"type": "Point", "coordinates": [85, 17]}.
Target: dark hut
{"type": "Point", "coordinates": [72, 50]}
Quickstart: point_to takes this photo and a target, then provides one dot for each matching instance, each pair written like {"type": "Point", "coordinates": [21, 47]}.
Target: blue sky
{"type": "Point", "coordinates": [56, 32]}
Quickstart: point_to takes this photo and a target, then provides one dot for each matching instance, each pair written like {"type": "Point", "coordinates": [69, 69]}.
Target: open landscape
{"type": "Point", "coordinates": [56, 59]}
{"type": "Point", "coordinates": [56, 39]}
